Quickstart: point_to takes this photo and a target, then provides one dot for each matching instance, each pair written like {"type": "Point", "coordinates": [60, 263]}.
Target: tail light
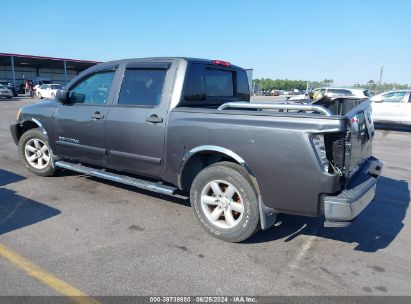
{"type": "Point", "coordinates": [341, 153]}
{"type": "Point", "coordinates": [220, 62]}
{"type": "Point", "coordinates": [333, 151]}
{"type": "Point", "coordinates": [318, 142]}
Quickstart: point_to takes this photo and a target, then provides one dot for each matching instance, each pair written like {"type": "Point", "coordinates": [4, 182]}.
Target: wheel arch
{"type": "Point", "coordinates": [28, 124]}
{"type": "Point", "coordinates": [201, 157]}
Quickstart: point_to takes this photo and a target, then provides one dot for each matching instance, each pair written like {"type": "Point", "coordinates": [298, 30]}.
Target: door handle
{"type": "Point", "coordinates": [97, 115]}
{"type": "Point", "coordinates": [154, 119]}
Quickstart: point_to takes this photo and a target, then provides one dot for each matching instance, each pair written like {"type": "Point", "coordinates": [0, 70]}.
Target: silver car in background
{"type": "Point", "coordinates": [393, 107]}
{"type": "Point", "coordinates": [5, 92]}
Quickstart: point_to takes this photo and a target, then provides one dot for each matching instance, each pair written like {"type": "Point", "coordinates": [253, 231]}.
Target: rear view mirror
{"type": "Point", "coordinates": [61, 96]}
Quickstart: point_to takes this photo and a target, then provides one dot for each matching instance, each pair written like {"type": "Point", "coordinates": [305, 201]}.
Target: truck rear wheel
{"type": "Point", "coordinates": [225, 202]}
{"type": "Point", "coordinates": [35, 153]}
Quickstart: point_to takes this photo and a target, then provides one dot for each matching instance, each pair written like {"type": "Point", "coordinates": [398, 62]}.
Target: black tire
{"type": "Point", "coordinates": [237, 176]}
{"type": "Point", "coordinates": [49, 169]}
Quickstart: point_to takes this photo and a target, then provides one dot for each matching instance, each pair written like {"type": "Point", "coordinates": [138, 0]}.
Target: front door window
{"type": "Point", "coordinates": [93, 90]}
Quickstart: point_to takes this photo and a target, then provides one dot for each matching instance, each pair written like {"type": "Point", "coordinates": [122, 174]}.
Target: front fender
{"type": "Point", "coordinates": [18, 129]}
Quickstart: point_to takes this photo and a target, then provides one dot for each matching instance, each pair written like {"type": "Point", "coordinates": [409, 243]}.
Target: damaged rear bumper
{"type": "Point", "coordinates": [341, 209]}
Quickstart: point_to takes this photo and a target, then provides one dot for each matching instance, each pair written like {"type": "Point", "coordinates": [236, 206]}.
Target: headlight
{"type": "Point", "coordinates": [18, 114]}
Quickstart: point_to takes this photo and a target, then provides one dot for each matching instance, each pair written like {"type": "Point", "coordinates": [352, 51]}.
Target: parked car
{"type": "Point", "coordinates": [5, 92]}
{"type": "Point", "coordinates": [393, 107]}
{"type": "Point", "coordinates": [187, 126]}
{"type": "Point", "coordinates": [10, 86]}
{"type": "Point", "coordinates": [339, 92]}
{"type": "Point", "coordinates": [39, 81]}
{"type": "Point", "coordinates": [48, 90]}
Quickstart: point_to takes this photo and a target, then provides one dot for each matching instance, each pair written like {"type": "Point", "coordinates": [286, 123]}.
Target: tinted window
{"type": "Point", "coordinates": [142, 87]}
{"type": "Point", "coordinates": [243, 90]}
{"type": "Point", "coordinates": [56, 87]}
{"type": "Point", "coordinates": [194, 86]}
{"type": "Point", "coordinates": [219, 83]}
{"type": "Point", "coordinates": [93, 89]}
{"type": "Point", "coordinates": [206, 84]}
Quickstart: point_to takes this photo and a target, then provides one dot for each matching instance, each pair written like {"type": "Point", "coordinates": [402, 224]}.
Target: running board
{"type": "Point", "coordinates": [123, 179]}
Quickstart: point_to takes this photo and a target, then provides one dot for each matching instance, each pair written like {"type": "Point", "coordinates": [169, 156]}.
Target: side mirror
{"type": "Point", "coordinates": [61, 96]}
{"type": "Point", "coordinates": [377, 98]}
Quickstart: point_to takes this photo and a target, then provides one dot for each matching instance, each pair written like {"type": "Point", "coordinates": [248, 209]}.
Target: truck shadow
{"type": "Point", "coordinates": [374, 229]}
{"type": "Point", "coordinates": [16, 211]}
{"type": "Point", "coordinates": [178, 198]}
{"type": "Point", "coordinates": [392, 127]}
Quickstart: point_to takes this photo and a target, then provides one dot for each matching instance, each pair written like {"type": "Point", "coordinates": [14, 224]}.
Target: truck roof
{"type": "Point", "coordinates": [188, 59]}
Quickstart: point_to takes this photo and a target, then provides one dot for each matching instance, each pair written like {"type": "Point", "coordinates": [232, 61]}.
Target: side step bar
{"type": "Point", "coordinates": [123, 179]}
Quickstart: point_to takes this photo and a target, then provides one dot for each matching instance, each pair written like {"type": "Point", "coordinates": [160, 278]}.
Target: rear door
{"type": "Point", "coordinates": [79, 131]}
{"type": "Point", "coordinates": [136, 121]}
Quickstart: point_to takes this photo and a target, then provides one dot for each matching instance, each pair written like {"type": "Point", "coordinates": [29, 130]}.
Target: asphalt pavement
{"type": "Point", "coordinates": [108, 239]}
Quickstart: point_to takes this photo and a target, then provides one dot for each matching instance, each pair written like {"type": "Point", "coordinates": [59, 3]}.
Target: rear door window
{"type": "Point", "coordinates": [142, 87]}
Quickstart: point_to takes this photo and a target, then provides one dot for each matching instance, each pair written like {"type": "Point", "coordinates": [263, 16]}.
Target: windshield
{"type": "Point", "coordinates": [44, 82]}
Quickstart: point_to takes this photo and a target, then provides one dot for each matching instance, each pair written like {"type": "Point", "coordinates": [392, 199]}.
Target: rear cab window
{"type": "Point", "coordinates": [209, 85]}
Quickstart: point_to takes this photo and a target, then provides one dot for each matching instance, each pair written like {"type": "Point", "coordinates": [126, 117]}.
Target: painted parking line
{"type": "Point", "coordinates": [45, 277]}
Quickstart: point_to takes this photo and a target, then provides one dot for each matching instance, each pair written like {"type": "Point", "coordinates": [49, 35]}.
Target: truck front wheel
{"type": "Point", "coordinates": [35, 153]}
{"type": "Point", "coordinates": [225, 202]}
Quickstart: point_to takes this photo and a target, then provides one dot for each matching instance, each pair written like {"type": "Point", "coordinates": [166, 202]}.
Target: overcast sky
{"type": "Point", "coordinates": [343, 40]}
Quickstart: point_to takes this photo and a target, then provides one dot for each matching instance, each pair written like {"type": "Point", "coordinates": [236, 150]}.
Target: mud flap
{"type": "Point", "coordinates": [267, 215]}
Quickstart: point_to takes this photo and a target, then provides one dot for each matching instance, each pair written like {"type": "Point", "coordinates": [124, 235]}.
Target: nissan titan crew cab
{"type": "Point", "coordinates": [187, 125]}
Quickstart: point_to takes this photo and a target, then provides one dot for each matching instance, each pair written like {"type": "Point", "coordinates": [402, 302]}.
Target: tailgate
{"type": "Point", "coordinates": [349, 152]}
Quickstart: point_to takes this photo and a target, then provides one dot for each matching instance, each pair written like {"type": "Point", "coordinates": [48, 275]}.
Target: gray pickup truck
{"type": "Point", "coordinates": [184, 125]}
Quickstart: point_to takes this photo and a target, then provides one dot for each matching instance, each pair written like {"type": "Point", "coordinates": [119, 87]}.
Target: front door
{"type": "Point", "coordinates": [79, 131]}
{"type": "Point", "coordinates": [136, 122]}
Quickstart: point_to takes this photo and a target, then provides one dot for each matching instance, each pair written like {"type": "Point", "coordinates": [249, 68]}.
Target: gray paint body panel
{"type": "Point", "coordinates": [274, 147]}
